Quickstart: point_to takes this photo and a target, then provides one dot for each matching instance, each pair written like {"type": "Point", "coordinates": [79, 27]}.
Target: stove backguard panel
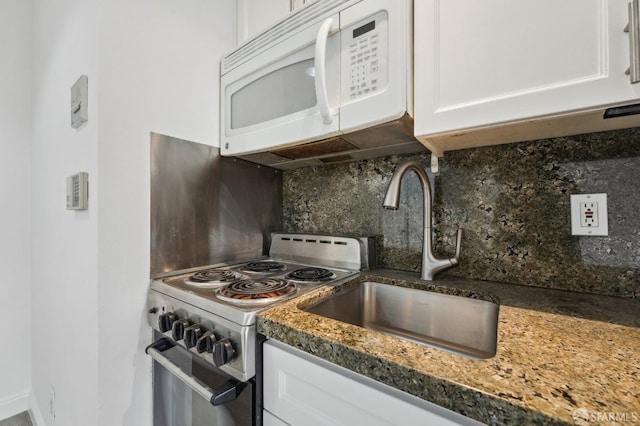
{"type": "Point", "coordinates": [207, 209]}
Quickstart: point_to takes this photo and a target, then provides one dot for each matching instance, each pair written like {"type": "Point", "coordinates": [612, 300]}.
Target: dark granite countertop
{"type": "Point", "coordinates": [561, 355]}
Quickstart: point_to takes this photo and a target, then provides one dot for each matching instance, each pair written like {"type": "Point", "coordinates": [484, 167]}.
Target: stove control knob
{"type": "Point", "coordinates": [205, 343]}
{"type": "Point", "coordinates": [177, 330]}
{"type": "Point", "coordinates": [165, 321]}
{"type": "Point", "coordinates": [191, 335]}
{"type": "Point", "coordinates": [223, 352]}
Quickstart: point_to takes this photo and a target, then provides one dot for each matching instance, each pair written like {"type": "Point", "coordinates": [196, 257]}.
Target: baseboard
{"type": "Point", "coordinates": [14, 404]}
{"type": "Point", "coordinates": [34, 411]}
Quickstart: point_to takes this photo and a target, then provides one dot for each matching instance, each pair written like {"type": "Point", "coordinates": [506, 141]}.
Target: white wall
{"type": "Point", "coordinates": [64, 243]}
{"type": "Point", "coordinates": [15, 141]}
{"type": "Point", "coordinates": [159, 71]}
{"type": "Point", "coordinates": [153, 65]}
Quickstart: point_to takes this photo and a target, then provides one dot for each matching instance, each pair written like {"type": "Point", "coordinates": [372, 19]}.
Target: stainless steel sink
{"type": "Point", "coordinates": [456, 324]}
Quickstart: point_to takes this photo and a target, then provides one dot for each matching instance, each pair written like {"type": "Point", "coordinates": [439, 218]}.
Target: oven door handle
{"type": "Point", "coordinates": [224, 393]}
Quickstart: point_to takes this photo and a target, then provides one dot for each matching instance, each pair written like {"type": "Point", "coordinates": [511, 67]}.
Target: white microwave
{"type": "Point", "coordinates": [302, 92]}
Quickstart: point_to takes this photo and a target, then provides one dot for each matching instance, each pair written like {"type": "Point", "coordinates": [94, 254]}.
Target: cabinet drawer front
{"type": "Point", "coordinates": [301, 392]}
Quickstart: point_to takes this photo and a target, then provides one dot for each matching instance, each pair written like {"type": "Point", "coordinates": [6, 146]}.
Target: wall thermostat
{"type": "Point", "coordinates": [79, 101]}
{"type": "Point", "coordinates": [78, 191]}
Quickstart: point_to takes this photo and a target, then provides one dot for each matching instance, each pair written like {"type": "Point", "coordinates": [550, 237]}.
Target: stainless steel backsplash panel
{"type": "Point", "coordinates": [206, 209]}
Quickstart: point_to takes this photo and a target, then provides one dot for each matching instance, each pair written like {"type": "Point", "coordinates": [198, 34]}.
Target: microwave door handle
{"type": "Point", "coordinates": [320, 72]}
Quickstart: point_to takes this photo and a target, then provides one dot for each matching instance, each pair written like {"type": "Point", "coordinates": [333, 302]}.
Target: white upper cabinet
{"type": "Point", "coordinates": [496, 71]}
{"type": "Point", "coordinates": [254, 16]}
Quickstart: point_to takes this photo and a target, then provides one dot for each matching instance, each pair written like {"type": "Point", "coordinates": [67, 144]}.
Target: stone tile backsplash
{"type": "Point", "coordinates": [512, 202]}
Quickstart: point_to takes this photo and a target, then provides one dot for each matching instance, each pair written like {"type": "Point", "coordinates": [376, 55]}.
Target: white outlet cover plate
{"type": "Point", "coordinates": [577, 227]}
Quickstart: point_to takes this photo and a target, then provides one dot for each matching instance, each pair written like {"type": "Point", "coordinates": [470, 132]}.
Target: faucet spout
{"type": "Point", "coordinates": [431, 265]}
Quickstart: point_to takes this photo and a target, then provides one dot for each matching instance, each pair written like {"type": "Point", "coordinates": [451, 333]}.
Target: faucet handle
{"type": "Point", "coordinates": [456, 258]}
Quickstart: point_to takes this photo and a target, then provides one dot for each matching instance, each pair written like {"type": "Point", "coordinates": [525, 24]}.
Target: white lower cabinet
{"type": "Point", "coordinates": [301, 389]}
{"type": "Point", "coordinates": [269, 419]}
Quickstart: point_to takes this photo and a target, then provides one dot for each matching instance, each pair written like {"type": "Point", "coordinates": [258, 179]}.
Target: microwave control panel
{"type": "Point", "coordinates": [365, 54]}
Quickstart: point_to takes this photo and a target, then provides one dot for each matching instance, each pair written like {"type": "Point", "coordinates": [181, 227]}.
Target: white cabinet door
{"type": "Point", "coordinates": [498, 62]}
{"type": "Point", "coordinates": [295, 4]}
{"type": "Point", "coordinates": [269, 419]}
{"type": "Point", "coordinates": [254, 16]}
{"type": "Point", "coordinates": [304, 390]}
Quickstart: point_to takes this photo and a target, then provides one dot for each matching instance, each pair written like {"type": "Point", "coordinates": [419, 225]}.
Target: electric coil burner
{"type": "Point", "coordinates": [311, 275]}
{"type": "Point", "coordinates": [264, 267]}
{"type": "Point", "coordinates": [211, 311]}
{"type": "Point", "coordinates": [214, 277]}
{"type": "Point", "coordinates": [256, 291]}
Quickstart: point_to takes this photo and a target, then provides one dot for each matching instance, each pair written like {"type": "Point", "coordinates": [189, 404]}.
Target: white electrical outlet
{"type": "Point", "coordinates": [589, 214]}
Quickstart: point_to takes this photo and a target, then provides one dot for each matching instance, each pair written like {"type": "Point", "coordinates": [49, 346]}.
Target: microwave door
{"type": "Point", "coordinates": [269, 104]}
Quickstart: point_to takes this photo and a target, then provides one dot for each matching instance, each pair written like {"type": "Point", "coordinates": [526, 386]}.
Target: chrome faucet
{"type": "Point", "coordinates": [431, 265]}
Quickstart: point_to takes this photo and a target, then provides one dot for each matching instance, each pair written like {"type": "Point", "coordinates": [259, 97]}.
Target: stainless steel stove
{"type": "Point", "coordinates": [211, 311]}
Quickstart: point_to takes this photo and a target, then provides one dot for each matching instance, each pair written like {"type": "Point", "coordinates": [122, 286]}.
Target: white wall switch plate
{"type": "Point", "coordinates": [589, 214]}
{"type": "Point", "coordinates": [79, 101]}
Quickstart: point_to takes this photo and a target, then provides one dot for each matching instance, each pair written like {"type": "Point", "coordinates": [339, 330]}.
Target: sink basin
{"type": "Point", "coordinates": [457, 324]}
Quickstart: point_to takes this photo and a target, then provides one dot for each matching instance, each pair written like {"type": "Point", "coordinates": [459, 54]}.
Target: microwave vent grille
{"type": "Point", "coordinates": [295, 22]}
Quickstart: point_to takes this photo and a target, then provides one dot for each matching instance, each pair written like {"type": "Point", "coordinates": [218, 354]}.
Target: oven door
{"type": "Point", "coordinates": [288, 93]}
{"type": "Point", "coordinates": [187, 391]}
